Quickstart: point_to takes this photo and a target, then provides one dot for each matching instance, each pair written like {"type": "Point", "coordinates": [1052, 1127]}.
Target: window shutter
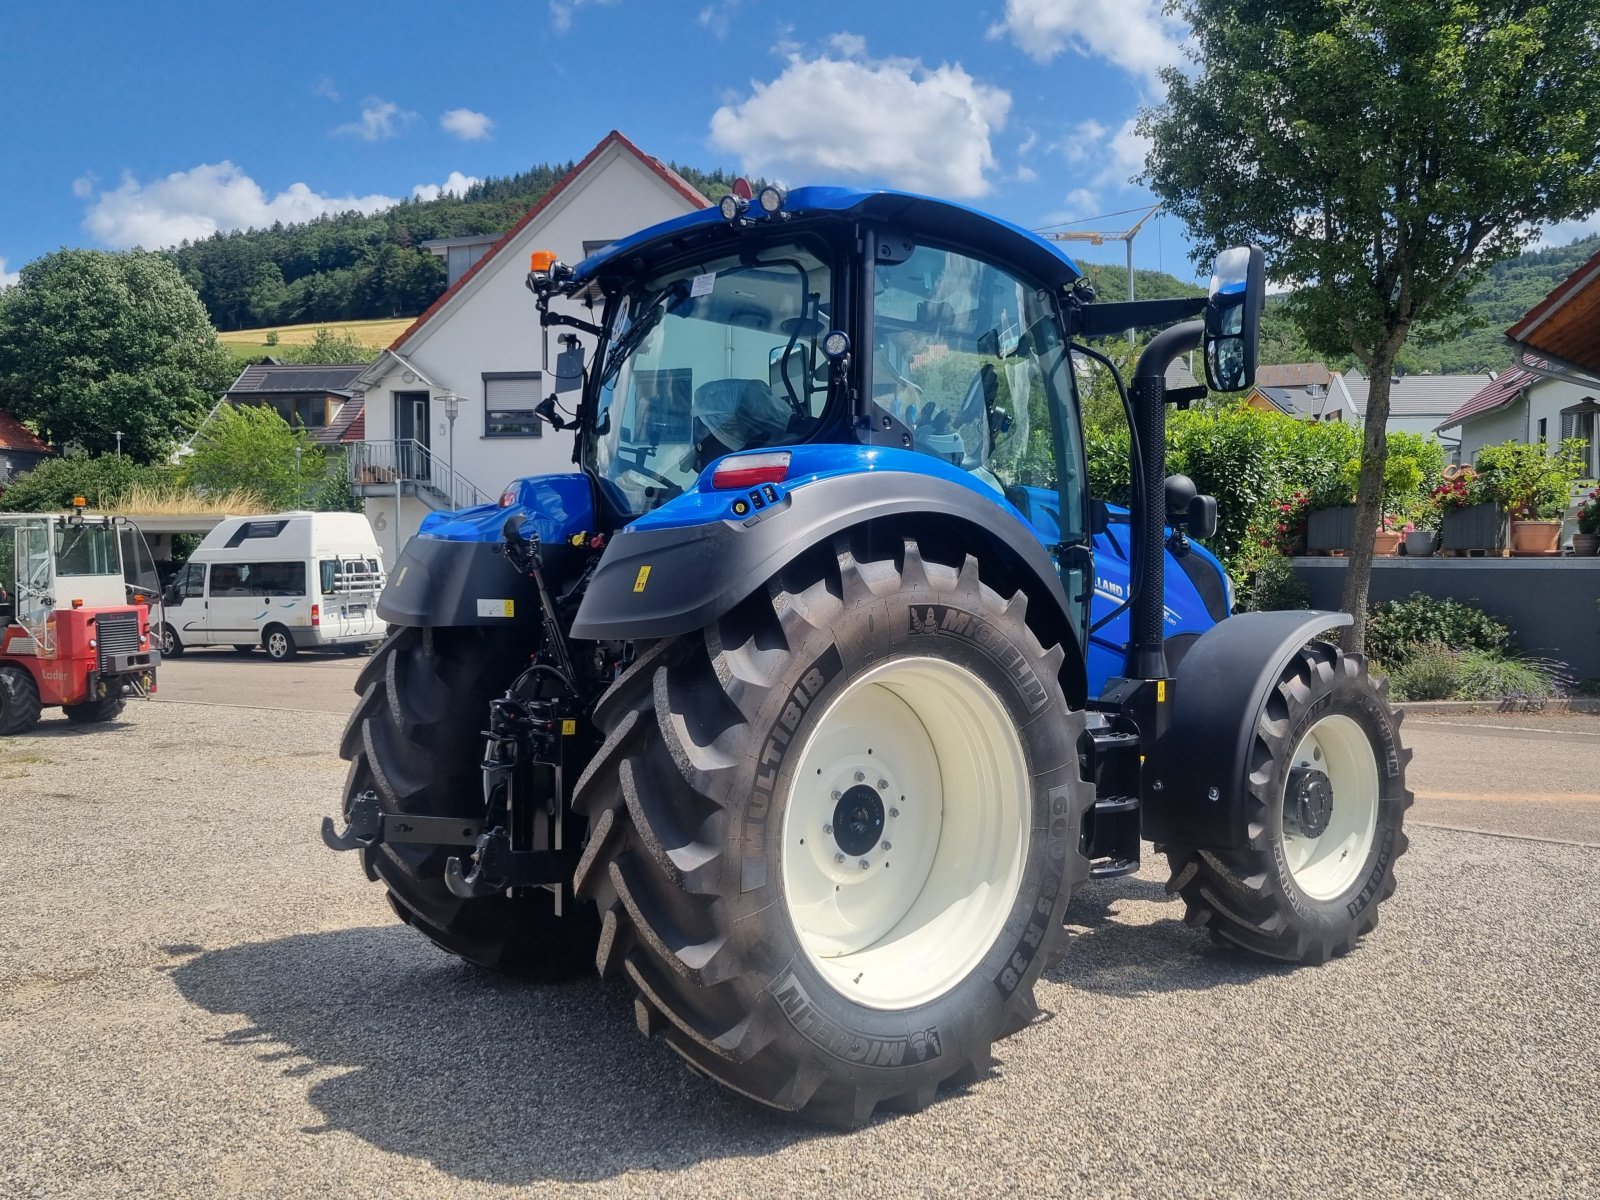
{"type": "Point", "coordinates": [522, 392]}
{"type": "Point", "coordinates": [508, 404]}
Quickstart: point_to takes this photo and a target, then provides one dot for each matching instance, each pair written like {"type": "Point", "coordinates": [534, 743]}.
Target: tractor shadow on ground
{"type": "Point", "coordinates": [1116, 950]}
{"type": "Point", "coordinates": [54, 727]}
{"type": "Point", "coordinates": [486, 1078]}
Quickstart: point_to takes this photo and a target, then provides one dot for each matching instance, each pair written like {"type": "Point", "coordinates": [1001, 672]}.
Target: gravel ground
{"type": "Point", "coordinates": [197, 999]}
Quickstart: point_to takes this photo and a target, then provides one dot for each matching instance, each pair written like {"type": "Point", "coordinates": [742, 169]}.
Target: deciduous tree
{"type": "Point", "coordinates": [1384, 153]}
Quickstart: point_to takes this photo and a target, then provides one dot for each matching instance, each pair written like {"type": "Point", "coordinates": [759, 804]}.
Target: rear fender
{"type": "Point", "coordinates": [696, 557]}
{"type": "Point", "coordinates": [1217, 693]}
{"type": "Point", "coordinates": [452, 571]}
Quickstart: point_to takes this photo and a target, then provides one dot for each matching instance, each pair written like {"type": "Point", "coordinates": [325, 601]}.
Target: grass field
{"type": "Point", "coordinates": [252, 343]}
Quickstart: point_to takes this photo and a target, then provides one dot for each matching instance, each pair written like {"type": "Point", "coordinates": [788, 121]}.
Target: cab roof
{"type": "Point", "coordinates": [943, 220]}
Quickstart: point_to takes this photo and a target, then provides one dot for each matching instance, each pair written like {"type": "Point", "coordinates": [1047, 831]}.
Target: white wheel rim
{"type": "Point", "coordinates": [942, 760]}
{"type": "Point", "coordinates": [276, 644]}
{"type": "Point", "coordinates": [1324, 866]}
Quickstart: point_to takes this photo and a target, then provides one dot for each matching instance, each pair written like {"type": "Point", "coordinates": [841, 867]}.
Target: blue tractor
{"type": "Point", "coordinates": [809, 697]}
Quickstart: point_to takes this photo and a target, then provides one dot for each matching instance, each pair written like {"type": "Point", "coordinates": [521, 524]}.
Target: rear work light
{"type": "Point", "coordinates": [750, 470]}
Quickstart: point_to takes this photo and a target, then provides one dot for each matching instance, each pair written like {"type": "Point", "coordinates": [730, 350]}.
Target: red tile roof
{"type": "Point", "coordinates": [356, 431]}
{"type": "Point", "coordinates": [14, 435]}
{"type": "Point", "coordinates": [1505, 388]}
{"type": "Point", "coordinates": [670, 177]}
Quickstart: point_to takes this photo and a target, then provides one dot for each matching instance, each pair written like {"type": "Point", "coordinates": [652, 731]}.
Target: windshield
{"type": "Point", "coordinates": [87, 550]}
{"type": "Point", "coordinates": [720, 356]}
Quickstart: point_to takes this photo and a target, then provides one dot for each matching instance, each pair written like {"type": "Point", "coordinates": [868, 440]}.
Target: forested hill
{"type": "Point", "coordinates": [351, 267]}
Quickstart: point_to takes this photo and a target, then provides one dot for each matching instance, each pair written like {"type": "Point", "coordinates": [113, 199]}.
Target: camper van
{"type": "Point", "coordinates": [288, 582]}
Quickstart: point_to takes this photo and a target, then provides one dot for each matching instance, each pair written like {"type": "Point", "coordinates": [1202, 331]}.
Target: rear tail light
{"type": "Point", "coordinates": [508, 497]}
{"type": "Point", "coordinates": [750, 470]}
{"type": "Point", "coordinates": [316, 615]}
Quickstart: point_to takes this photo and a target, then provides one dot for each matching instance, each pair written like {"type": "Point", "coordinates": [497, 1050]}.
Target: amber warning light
{"type": "Point", "coordinates": [541, 261]}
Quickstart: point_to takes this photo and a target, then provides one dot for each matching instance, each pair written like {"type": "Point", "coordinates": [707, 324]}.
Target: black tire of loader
{"type": "Point", "coordinates": [1247, 897]}
{"type": "Point", "coordinates": [19, 701]}
{"type": "Point", "coordinates": [699, 926]}
{"type": "Point", "coordinates": [416, 739]}
{"type": "Point", "coordinates": [93, 712]}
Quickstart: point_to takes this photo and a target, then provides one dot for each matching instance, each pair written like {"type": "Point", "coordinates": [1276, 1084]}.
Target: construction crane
{"type": "Point", "coordinates": [1101, 237]}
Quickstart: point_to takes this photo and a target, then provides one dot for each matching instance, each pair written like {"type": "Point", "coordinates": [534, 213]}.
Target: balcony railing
{"type": "Point", "coordinates": [406, 461]}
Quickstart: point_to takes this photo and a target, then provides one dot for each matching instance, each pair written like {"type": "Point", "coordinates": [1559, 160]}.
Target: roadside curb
{"type": "Point", "coordinates": [1576, 704]}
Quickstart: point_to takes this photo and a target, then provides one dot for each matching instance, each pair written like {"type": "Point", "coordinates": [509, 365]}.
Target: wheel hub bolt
{"type": "Point", "coordinates": [860, 775]}
{"type": "Point", "coordinates": [835, 794]}
{"type": "Point", "coordinates": [883, 785]}
{"type": "Point", "coordinates": [827, 829]}
{"type": "Point", "coordinates": [894, 812]}
{"type": "Point", "coordinates": [839, 858]}
{"type": "Point", "coordinates": [865, 864]}
{"type": "Point", "coordinates": [887, 846]}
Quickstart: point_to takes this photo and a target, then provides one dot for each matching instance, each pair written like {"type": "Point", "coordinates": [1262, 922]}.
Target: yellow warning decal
{"type": "Point", "coordinates": [1161, 691]}
{"type": "Point", "coordinates": [569, 726]}
{"type": "Point", "coordinates": [643, 578]}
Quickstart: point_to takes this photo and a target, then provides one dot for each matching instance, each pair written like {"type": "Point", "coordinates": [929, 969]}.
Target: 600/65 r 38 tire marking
{"type": "Point", "coordinates": [1327, 800]}
{"type": "Point", "coordinates": [415, 738]}
{"type": "Point", "coordinates": [752, 767]}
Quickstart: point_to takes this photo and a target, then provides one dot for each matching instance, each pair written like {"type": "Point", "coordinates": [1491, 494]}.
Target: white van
{"type": "Point", "coordinates": [287, 582]}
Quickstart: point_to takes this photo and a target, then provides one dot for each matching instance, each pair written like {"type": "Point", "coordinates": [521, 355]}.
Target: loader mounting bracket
{"type": "Point", "coordinates": [366, 824]}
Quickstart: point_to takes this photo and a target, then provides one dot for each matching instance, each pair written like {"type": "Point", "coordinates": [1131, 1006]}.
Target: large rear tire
{"type": "Point", "coordinates": [93, 712]}
{"type": "Point", "coordinates": [416, 739]}
{"type": "Point", "coordinates": [1327, 798]}
{"type": "Point", "coordinates": [834, 833]}
{"type": "Point", "coordinates": [19, 701]}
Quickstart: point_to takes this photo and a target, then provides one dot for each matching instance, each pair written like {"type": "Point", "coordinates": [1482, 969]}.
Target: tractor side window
{"type": "Point", "coordinates": [971, 360]}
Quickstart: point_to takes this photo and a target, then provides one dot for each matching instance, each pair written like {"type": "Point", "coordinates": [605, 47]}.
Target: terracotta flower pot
{"type": "Point", "coordinates": [1586, 544]}
{"type": "Point", "coordinates": [1535, 538]}
{"type": "Point", "coordinates": [1386, 542]}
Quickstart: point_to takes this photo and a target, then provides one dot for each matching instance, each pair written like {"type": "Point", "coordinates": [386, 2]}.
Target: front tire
{"type": "Point", "coordinates": [415, 738]}
{"type": "Point", "coordinates": [835, 832]}
{"type": "Point", "coordinates": [171, 645]}
{"type": "Point", "coordinates": [1328, 799]}
{"type": "Point", "coordinates": [19, 701]}
{"type": "Point", "coordinates": [93, 712]}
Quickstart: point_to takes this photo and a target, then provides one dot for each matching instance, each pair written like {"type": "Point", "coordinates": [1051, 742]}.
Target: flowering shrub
{"type": "Point", "coordinates": [1288, 534]}
{"type": "Point", "coordinates": [1588, 514]}
{"type": "Point", "coordinates": [1465, 490]}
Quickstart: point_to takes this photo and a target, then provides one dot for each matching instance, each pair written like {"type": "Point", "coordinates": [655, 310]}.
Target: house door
{"type": "Point", "coordinates": [411, 434]}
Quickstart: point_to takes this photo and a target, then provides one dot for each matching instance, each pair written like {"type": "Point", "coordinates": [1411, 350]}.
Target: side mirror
{"type": "Point", "coordinates": [1233, 318]}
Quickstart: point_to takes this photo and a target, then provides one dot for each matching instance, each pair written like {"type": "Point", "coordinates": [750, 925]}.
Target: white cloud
{"type": "Point", "coordinates": [198, 202]}
{"type": "Point", "coordinates": [718, 17]}
{"type": "Point", "coordinates": [380, 119]}
{"type": "Point", "coordinates": [325, 88]}
{"type": "Point", "coordinates": [467, 125]}
{"type": "Point", "coordinates": [8, 278]}
{"type": "Point", "coordinates": [455, 185]}
{"type": "Point", "coordinates": [1106, 159]}
{"type": "Point", "coordinates": [83, 186]}
{"type": "Point", "coordinates": [561, 11]}
{"type": "Point", "coordinates": [895, 120]}
{"type": "Point", "coordinates": [1135, 35]}
{"type": "Point", "coordinates": [1563, 232]}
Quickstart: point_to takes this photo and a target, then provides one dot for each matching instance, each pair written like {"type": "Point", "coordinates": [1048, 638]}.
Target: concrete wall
{"type": "Point", "coordinates": [492, 325]}
{"type": "Point", "coordinates": [393, 528]}
{"type": "Point", "coordinates": [1549, 603]}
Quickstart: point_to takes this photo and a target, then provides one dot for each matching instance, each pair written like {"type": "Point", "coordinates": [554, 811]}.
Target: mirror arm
{"type": "Point", "coordinates": [1106, 318]}
{"type": "Point", "coordinates": [554, 318]}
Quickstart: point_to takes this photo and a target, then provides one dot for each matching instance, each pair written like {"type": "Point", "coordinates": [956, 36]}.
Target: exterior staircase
{"type": "Point", "coordinates": [405, 467]}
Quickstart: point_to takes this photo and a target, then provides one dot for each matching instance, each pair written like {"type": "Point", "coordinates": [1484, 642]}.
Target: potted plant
{"type": "Point", "coordinates": [1391, 529]}
{"type": "Point", "coordinates": [1534, 486]}
{"type": "Point", "coordinates": [1330, 517]}
{"type": "Point", "coordinates": [1422, 527]}
{"type": "Point", "coordinates": [1469, 518]}
{"type": "Point", "coordinates": [1587, 540]}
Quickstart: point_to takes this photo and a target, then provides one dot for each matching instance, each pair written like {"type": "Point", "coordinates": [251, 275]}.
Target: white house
{"type": "Point", "coordinates": [478, 352]}
{"type": "Point", "coordinates": [1520, 406]}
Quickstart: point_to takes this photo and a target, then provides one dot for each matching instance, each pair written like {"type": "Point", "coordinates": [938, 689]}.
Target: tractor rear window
{"type": "Point", "coordinates": [87, 550]}
{"type": "Point", "coordinates": [720, 356]}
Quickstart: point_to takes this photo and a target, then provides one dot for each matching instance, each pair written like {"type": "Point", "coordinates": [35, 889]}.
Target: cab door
{"type": "Point", "coordinates": [185, 607]}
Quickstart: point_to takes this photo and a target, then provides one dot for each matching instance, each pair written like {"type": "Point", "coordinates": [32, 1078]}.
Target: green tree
{"type": "Point", "coordinates": [1383, 153]}
{"type": "Point", "coordinates": [92, 343]}
{"type": "Point", "coordinates": [250, 448]}
{"type": "Point", "coordinates": [103, 481]}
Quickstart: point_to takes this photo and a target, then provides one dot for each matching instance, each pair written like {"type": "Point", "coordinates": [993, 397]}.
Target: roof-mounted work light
{"type": "Point", "coordinates": [771, 199]}
{"type": "Point", "coordinates": [732, 207]}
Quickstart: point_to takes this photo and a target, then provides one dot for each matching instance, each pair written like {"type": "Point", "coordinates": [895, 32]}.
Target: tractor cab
{"type": "Point", "coordinates": [74, 617]}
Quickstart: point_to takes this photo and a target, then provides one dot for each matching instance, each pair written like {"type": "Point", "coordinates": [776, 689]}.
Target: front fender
{"type": "Point", "coordinates": [696, 557]}
{"type": "Point", "coordinates": [1217, 695]}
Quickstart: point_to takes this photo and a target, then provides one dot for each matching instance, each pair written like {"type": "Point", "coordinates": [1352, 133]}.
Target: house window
{"type": "Point", "coordinates": [1544, 431]}
{"type": "Point", "coordinates": [509, 398]}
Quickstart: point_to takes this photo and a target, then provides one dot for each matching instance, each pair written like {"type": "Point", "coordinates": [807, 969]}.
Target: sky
{"type": "Point", "coordinates": [125, 125]}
